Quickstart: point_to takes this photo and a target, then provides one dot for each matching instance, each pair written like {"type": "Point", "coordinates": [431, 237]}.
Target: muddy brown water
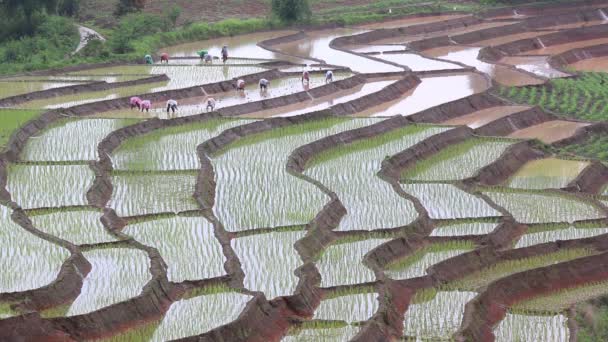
{"type": "Point", "coordinates": [550, 131]}
{"type": "Point", "coordinates": [410, 21]}
{"type": "Point", "coordinates": [511, 38]}
{"type": "Point", "coordinates": [485, 116]}
{"type": "Point", "coordinates": [599, 64]}
{"type": "Point", "coordinates": [416, 62]}
{"type": "Point", "coordinates": [537, 65]}
{"type": "Point", "coordinates": [557, 49]}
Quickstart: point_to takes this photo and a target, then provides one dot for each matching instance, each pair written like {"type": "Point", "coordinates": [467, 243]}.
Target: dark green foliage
{"type": "Point", "coordinates": [68, 8]}
{"type": "Point", "coordinates": [291, 10]}
{"type": "Point", "coordinates": [128, 6]}
{"type": "Point", "coordinates": [597, 330]}
{"type": "Point", "coordinates": [595, 147]}
{"type": "Point", "coordinates": [173, 14]}
{"type": "Point", "coordinates": [132, 28]}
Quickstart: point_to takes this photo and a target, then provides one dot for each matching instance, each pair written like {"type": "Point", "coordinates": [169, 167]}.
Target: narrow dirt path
{"type": "Point", "coordinates": [85, 34]}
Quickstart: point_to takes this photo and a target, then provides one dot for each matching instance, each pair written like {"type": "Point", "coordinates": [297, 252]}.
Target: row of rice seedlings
{"type": "Point", "coordinates": [11, 120]}
{"type": "Point", "coordinates": [536, 207]}
{"type": "Point", "coordinates": [342, 263]}
{"type": "Point", "coordinates": [526, 328]}
{"type": "Point", "coordinates": [323, 332]}
{"type": "Point", "coordinates": [438, 318]}
{"type": "Point", "coordinates": [416, 265]}
{"type": "Point", "coordinates": [27, 262]}
{"type": "Point", "coordinates": [149, 193]}
{"type": "Point", "coordinates": [458, 161]}
{"type": "Point", "coordinates": [79, 79]}
{"type": "Point", "coordinates": [569, 233]}
{"type": "Point", "coordinates": [348, 307]}
{"type": "Point", "coordinates": [596, 146]}
{"type": "Point", "coordinates": [38, 186]}
{"type": "Point", "coordinates": [172, 148]}
{"type": "Point", "coordinates": [230, 61]}
{"type": "Point", "coordinates": [187, 244]}
{"type": "Point", "coordinates": [76, 226]}
{"type": "Point", "coordinates": [505, 268]}
{"type": "Point", "coordinates": [88, 133]}
{"type": "Point", "coordinates": [8, 89]}
{"type": "Point", "coordinates": [465, 228]}
{"type": "Point", "coordinates": [117, 274]}
{"type": "Point", "coordinates": [254, 189]}
{"type": "Point", "coordinates": [6, 311]}
{"type": "Point", "coordinates": [350, 171]}
{"type": "Point", "coordinates": [269, 261]}
{"type": "Point", "coordinates": [564, 299]}
{"type": "Point", "coordinates": [446, 201]}
{"type": "Point", "coordinates": [548, 173]}
{"type": "Point", "coordinates": [417, 62]}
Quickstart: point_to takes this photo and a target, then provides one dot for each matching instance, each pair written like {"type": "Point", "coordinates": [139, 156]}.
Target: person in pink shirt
{"type": "Point", "coordinates": [135, 102]}
{"type": "Point", "coordinates": [164, 58]}
{"type": "Point", "coordinates": [146, 105]}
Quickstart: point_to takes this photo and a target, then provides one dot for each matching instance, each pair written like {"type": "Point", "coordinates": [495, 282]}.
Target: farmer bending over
{"type": "Point", "coordinates": [264, 83]}
{"type": "Point", "coordinates": [210, 104]}
{"type": "Point", "coordinates": [224, 54]}
{"type": "Point", "coordinates": [146, 105]}
{"type": "Point", "coordinates": [208, 58]}
{"type": "Point", "coordinates": [148, 59]}
{"type": "Point", "coordinates": [305, 77]}
{"type": "Point", "coordinates": [135, 102]}
{"type": "Point", "coordinates": [240, 85]}
{"type": "Point", "coordinates": [171, 106]}
{"type": "Point", "coordinates": [329, 76]}
{"type": "Point", "coordinates": [164, 58]}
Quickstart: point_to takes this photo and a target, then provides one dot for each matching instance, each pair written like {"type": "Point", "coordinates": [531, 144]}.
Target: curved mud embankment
{"type": "Point", "coordinates": [591, 180]}
{"type": "Point", "coordinates": [582, 134]}
{"type": "Point", "coordinates": [561, 61]}
{"type": "Point", "coordinates": [454, 109]}
{"type": "Point", "coordinates": [515, 122]}
{"type": "Point", "coordinates": [541, 9]}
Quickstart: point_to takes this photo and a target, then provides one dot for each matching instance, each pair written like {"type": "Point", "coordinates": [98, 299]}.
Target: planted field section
{"type": "Point", "coordinates": [187, 244]}
{"type": "Point", "coordinates": [41, 186]}
{"type": "Point", "coordinates": [71, 140]}
{"type": "Point", "coordinates": [118, 274]}
{"type": "Point", "coordinates": [458, 161]}
{"type": "Point", "coordinates": [342, 263]}
{"type": "Point", "coordinates": [350, 171]}
{"type": "Point", "coordinates": [148, 193]}
{"type": "Point", "coordinates": [349, 308]}
{"type": "Point", "coordinates": [245, 169]}
{"type": "Point", "coordinates": [79, 227]}
{"type": "Point", "coordinates": [269, 269]}
{"type": "Point", "coordinates": [329, 332]}
{"type": "Point", "coordinates": [172, 148]}
{"type": "Point", "coordinates": [27, 262]}
{"type": "Point", "coordinates": [537, 207]}
{"type": "Point", "coordinates": [564, 299]}
{"type": "Point", "coordinates": [468, 228]}
{"type": "Point", "coordinates": [522, 327]}
{"type": "Point", "coordinates": [435, 318]}
{"type": "Point", "coordinates": [416, 264]}
{"type": "Point", "coordinates": [596, 147]}
{"type": "Point", "coordinates": [446, 201]}
{"type": "Point", "coordinates": [582, 97]}
{"type": "Point", "coordinates": [548, 173]}
{"type": "Point", "coordinates": [555, 234]}
{"type": "Point", "coordinates": [11, 120]}
{"type": "Point", "coordinates": [19, 87]}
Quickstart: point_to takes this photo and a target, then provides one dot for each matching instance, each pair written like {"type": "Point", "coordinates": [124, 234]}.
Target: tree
{"type": "Point", "coordinates": [128, 6]}
{"type": "Point", "coordinates": [173, 14]}
{"type": "Point", "coordinates": [68, 8]}
{"type": "Point", "coordinates": [25, 13]}
{"type": "Point", "coordinates": [291, 10]}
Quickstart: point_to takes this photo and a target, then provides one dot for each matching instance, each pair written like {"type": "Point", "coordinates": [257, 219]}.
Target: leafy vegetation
{"type": "Point", "coordinates": [596, 147]}
{"type": "Point", "coordinates": [11, 120]}
{"type": "Point", "coordinates": [291, 10]}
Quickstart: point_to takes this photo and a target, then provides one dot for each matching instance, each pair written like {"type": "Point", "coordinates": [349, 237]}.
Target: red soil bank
{"type": "Point", "coordinates": [570, 57]}
{"type": "Point", "coordinates": [592, 180]}
{"type": "Point", "coordinates": [515, 122]}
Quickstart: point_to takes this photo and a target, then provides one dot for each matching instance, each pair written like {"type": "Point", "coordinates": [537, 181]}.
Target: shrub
{"type": "Point", "coordinates": [291, 10]}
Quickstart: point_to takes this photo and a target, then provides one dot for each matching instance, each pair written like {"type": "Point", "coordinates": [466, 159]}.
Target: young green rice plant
{"type": "Point", "coordinates": [438, 318]}
{"type": "Point", "coordinates": [76, 226]}
{"type": "Point", "coordinates": [323, 334]}
{"type": "Point", "coordinates": [564, 299]}
{"type": "Point", "coordinates": [350, 308]}
{"type": "Point", "coordinates": [341, 264]}
{"type": "Point", "coordinates": [19, 87]}
{"type": "Point", "coordinates": [172, 148]}
{"type": "Point", "coordinates": [38, 186]}
{"type": "Point", "coordinates": [152, 193]}
{"type": "Point", "coordinates": [6, 311]}
{"type": "Point", "coordinates": [417, 264]}
{"type": "Point", "coordinates": [117, 274]}
{"type": "Point", "coordinates": [350, 171]}
{"type": "Point", "coordinates": [538, 207]}
{"type": "Point", "coordinates": [269, 269]}
{"type": "Point", "coordinates": [445, 201]}
{"type": "Point", "coordinates": [458, 161]}
{"type": "Point", "coordinates": [569, 233]}
{"type": "Point", "coordinates": [27, 262]}
{"type": "Point", "coordinates": [249, 165]}
{"type": "Point", "coordinates": [548, 173]}
{"type": "Point", "coordinates": [71, 140]}
{"type": "Point", "coordinates": [11, 120]}
{"type": "Point", "coordinates": [187, 244]}
{"type": "Point", "coordinates": [525, 328]}
{"type": "Point", "coordinates": [466, 228]}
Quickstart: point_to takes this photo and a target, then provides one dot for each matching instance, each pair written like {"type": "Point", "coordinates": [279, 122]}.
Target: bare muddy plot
{"type": "Point", "coordinates": [416, 62]}
{"type": "Point", "coordinates": [415, 265]}
{"type": "Point", "coordinates": [415, 20]}
{"type": "Point", "coordinates": [550, 131]}
{"type": "Point", "coordinates": [27, 261]}
{"type": "Point", "coordinates": [555, 234]}
{"type": "Point", "coordinates": [599, 64]}
{"type": "Point", "coordinates": [19, 87]}
{"type": "Point", "coordinates": [561, 48]}
{"type": "Point", "coordinates": [548, 173]}
{"type": "Point", "coordinates": [42, 186]}
{"type": "Point", "coordinates": [536, 65]}
{"type": "Point", "coordinates": [187, 244]}
{"type": "Point", "coordinates": [519, 327]}
{"type": "Point", "coordinates": [511, 38]}
{"type": "Point", "coordinates": [351, 170]}
{"type": "Point", "coordinates": [79, 227]}
{"type": "Point", "coordinates": [244, 170]}
{"type": "Point", "coordinates": [269, 269]}
{"type": "Point", "coordinates": [375, 48]}
{"type": "Point", "coordinates": [485, 116]}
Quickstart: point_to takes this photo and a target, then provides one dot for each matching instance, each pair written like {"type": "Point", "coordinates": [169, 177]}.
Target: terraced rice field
{"type": "Point", "coordinates": [362, 209]}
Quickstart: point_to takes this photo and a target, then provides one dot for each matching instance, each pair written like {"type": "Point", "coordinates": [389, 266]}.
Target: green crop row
{"type": "Point", "coordinates": [596, 147]}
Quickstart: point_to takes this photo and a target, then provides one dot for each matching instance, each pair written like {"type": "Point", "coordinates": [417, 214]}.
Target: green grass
{"type": "Point", "coordinates": [11, 120]}
{"type": "Point", "coordinates": [595, 147]}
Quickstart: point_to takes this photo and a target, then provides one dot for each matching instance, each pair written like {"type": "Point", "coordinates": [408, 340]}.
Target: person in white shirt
{"type": "Point", "coordinates": [264, 83]}
{"type": "Point", "coordinates": [329, 76]}
{"type": "Point", "coordinates": [171, 106]}
{"type": "Point", "coordinates": [240, 85]}
{"type": "Point", "coordinates": [210, 104]}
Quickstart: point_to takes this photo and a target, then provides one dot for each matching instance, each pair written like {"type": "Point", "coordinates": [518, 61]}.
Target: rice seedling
{"type": "Point", "coordinates": [445, 201]}
{"type": "Point", "coordinates": [342, 263]}
{"type": "Point", "coordinates": [509, 267]}
{"type": "Point", "coordinates": [6, 311]}
{"type": "Point", "coordinates": [27, 262]}
{"type": "Point", "coordinates": [172, 148]}
{"type": "Point", "coordinates": [350, 308]}
{"type": "Point", "coordinates": [76, 226]}
{"type": "Point", "coordinates": [564, 299]}
{"type": "Point", "coordinates": [269, 269]}
{"type": "Point", "coordinates": [438, 318]}
{"type": "Point", "coordinates": [187, 244]}
{"type": "Point", "coordinates": [249, 165]}
{"type": "Point", "coordinates": [525, 328]}
{"type": "Point", "coordinates": [532, 207]}
{"type": "Point", "coordinates": [11, 120]}
{"type": "Point", "coordinates": [468, 228]}
{"type": "Point", "coordinates": [569, 233]}
{"type": "Point", "coordinates": [116, 275]}
{"type": "Point", "coordinates": [350, 171]}
{"type": "Point", "coordinates": [596, 147]}
{"type": "Point", "coordinates": [38, 186]}
{"type": "Point", "coordinates": [230, 61]}
{"type": "Point", "coordinates": [458, 161]}
{"type": "Point", "coordinates": [548, 173]}
{"type": "Point", "coordinates": [417, 62]}
{"type": "Point", "coordinates": [148, 193]}
{"type": "Point", "coordinates": [323, 334]}
{"type": "Point", "coordinates": [84, 136]}
{"type": "Point", "coordinates": [417, 264]}
{"type": "Point", "coordinates": [20, 87]}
